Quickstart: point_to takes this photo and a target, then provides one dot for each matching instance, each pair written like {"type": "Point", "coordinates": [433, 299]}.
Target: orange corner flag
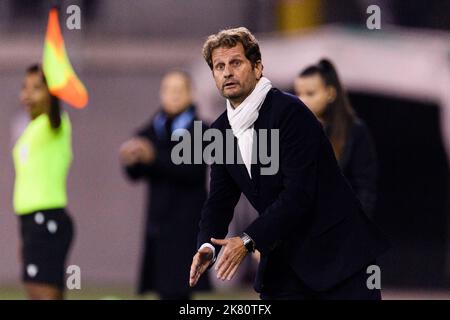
{"type": "Point", "coordinates": [61, 78]}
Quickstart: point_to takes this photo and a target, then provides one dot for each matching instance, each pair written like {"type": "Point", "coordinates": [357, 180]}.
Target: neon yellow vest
{"type": "Point", "coordinates": [42, 157]}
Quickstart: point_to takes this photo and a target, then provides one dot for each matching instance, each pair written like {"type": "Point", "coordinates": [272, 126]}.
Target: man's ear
{"type": "Point", "coordinates": [331, 94]}
{"type": "Point", "coordinates": [259, 69]}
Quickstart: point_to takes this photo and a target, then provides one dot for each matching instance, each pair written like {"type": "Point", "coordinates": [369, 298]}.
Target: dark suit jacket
{"type": "Point", "coordinates": [309, 217]}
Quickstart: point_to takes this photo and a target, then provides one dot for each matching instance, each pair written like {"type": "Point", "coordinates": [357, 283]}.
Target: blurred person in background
{"type": "Point", "coordinates": [319, 87]}
{"type": "Point", "coordinates": [176, 193]}
{"type": "Point", "coordinates": [42, 157]}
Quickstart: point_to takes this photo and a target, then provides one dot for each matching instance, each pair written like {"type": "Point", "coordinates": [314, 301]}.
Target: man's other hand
{"type": "Point", "coordinates": [200, 263]}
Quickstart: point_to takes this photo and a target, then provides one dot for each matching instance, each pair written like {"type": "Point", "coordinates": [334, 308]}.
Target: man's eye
{"type": "Point", "coordinates": [219, 67]}
{"type": "Point", "coordinates": [237, 63]}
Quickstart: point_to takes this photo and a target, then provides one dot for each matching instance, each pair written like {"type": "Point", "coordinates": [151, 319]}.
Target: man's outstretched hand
{"type": "Point", "coordinates": [200, 263]}
{"type": "Point", "coordinates": [233, 253]}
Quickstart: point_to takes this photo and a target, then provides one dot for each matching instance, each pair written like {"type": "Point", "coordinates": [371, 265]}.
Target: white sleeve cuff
{"type": "Point", "coordinates": [209, 245]}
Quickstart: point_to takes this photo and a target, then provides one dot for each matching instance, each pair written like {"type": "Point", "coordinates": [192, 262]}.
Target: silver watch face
{"type": "Point", "coordinates": [247, 240]}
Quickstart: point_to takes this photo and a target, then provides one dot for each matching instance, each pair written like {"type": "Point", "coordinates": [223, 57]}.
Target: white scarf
{"type": "Point", "coordinates": [244, 116]}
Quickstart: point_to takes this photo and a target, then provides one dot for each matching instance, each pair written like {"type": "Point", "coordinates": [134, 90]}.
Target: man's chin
{"type": "Point", "coordinates": [231, 95]}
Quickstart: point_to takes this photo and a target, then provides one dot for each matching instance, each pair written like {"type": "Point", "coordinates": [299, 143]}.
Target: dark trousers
{"type": "Point", "coordinates": [290, 287]}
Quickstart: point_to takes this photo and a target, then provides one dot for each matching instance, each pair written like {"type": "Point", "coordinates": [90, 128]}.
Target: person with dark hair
{"type": "Point", "coordinates": [319, 87]}
{"type": "Point", "coordinates": [176, 193]}
{"type": "Point", "coordinates": [314, 238]}
{"type": "Point", "coordinates": [42, 157]}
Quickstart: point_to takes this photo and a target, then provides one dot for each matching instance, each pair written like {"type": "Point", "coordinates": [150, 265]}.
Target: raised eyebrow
{"type": "Point", "coordinates": [236, 57]}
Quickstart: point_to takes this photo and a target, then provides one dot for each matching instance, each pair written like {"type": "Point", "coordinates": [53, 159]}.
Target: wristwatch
{"type": "Point", "coordinates": [248, 242]}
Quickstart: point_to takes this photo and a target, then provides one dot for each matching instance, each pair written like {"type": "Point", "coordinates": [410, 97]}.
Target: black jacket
{"type": "Point", "coordinates": [176, 194]}
{"type": "Point", "coordinates": [309, 217]}
{"type": "Point", "coordinates": [359, 165]}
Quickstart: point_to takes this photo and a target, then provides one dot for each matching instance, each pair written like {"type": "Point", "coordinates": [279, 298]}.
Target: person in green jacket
{"type": "Point", "coordinates": [42, 156]}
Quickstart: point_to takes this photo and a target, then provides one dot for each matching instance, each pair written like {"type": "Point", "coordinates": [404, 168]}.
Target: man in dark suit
{"type": "Point", "coordinates": [315, 242]}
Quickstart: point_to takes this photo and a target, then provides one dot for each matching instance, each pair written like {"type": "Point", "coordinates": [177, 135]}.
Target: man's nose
{"type": "Point", "coordinates": [227, 72]}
